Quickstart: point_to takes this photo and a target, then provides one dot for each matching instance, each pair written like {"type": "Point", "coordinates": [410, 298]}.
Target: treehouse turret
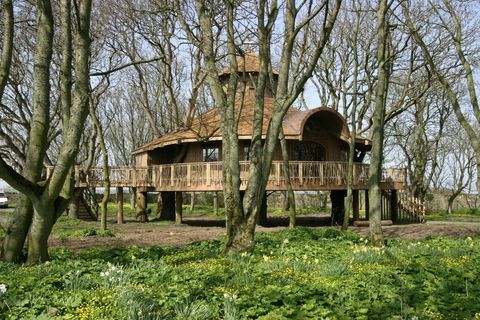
{"type": "Point", "coordinates": [248, 67]}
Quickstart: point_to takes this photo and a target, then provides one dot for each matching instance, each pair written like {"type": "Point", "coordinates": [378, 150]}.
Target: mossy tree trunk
{"type": "Point", "coordinates": [375, 171]}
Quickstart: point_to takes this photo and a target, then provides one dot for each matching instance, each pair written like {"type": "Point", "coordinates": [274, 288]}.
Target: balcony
{"type": "Point", "coordinates": [207, 176]}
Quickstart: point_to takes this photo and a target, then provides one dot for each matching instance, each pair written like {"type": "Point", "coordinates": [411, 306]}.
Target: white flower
{"type": "Point", "coordinates": [104, 274]}
{"type": "Point", "coordinates": [285, 241]}
{"type": "Point", "coordinates": [3, 288]}
{"type": "Point", "coordinates": [229, 297]}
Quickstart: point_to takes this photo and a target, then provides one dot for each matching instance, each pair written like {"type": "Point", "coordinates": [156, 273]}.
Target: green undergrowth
{"type": "Point", "coordinates": [461, 214]}
{"type": "Point", "coordinates": [305, 273]}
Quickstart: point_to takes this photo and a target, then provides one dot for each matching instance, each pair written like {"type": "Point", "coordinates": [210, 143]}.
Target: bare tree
{"type": "Point", "coordinates": [450, 27]}
{"type": "Point", "coordinates": [375, 171]}
{"type": "Point", "coordinates": [242, 213]}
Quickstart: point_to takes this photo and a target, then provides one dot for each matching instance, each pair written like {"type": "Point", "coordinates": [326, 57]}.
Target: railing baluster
{"type": "Point", "coordinates": [300, 173]}
{"type": "Point", "coordinates": [208, 175]}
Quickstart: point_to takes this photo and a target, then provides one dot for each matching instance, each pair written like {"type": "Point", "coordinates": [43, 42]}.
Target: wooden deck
{"type": "Point", "coordinates": [207, 176]}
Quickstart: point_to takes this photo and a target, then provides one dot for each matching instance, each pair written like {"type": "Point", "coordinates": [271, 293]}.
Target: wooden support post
{"type": "Point", "coordinates": [189, 177]}
{"type": "Point", "coordinates": [172, 175]}
{"type": "Point", "coordinates": [337, 197]}
{"type": "Point", "coordinates": [394, 206]}
{"type": "Point", "coordinates": [142, 207]}
{"type": "Point", "coordinates": [119, 205]}
{"type": "Point", "coordinates": [355, 205]}
{"type": "Point", "coordinates": [168, 206]}
{"type": "Point", "coordinates": [133, 200]}
{"type": "Point", "coordinates": [178, 207]}
{"type": "Point", "coordinates": [367, 206]}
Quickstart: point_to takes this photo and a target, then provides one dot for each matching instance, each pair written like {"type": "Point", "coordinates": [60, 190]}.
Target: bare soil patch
{"type": "Point", "coordinates": [199, 227]}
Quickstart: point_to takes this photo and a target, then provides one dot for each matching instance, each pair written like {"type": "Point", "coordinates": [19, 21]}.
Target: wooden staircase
{"type": "Point", "coordinates": [402, 207]}
{"type": "Point", "coordinates": [410, 208]}
{"type": "Point", "coordinates": [88, 206]}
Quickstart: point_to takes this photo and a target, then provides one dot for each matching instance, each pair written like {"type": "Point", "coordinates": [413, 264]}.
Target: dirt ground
{"type": "Point", "coordinates": [196, 228]}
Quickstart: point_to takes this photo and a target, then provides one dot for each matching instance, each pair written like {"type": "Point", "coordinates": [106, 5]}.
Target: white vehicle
{"type": "Point", "coordinates": [3, 200]}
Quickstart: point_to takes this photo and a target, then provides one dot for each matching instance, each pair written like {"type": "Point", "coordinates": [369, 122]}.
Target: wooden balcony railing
{"type": "Point", "coordinates": [207, 176]}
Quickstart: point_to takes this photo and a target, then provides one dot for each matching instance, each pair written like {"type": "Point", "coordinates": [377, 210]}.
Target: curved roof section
{"type": "Point", "coordinates": [206, 127]}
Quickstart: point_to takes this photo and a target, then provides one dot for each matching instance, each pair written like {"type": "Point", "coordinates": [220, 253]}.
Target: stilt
{"type": "Point", "coordinates": [215, 203]}
{"type": "Point", "coordinates": [142, 206]}
{"type": "Point", "coordinates": [178, 207]}
{"type": "Point", "coordinates": [192, 201]}
{"type": "Point", "coordinates": [338, 206]}
{"type": "Point", "coordinates": [262, 214]}
{"type": "Point", "coordinates": [355, 205]}
{"type": "Point", "coordinates": [133, 202]}
{"type": "Point", "coordinates": [119, 205]}
{"type": "Point", "coordinates": [394, 205]}
{"type": "Point", "coordinates": [367, 206]}
{"type": "Point", "coordinates": [168, 206]}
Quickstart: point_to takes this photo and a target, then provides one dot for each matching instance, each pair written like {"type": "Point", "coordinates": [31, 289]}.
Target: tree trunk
{"type": "Point", "coordinates": [215, 203]}
{"type": "Point", "coordinates": [37, 140]}
{"type": "Point", "coordinates": [119, 205]}
{"type": "Point", "coordinates": [289, 193]}
{"type": "Point", "coordinates": [17, 231]}
{"type": "Point", "coordinates": [40, 230]}
{"type": "Point", "coordinates": [141, 207]}
{"type": "Point", "coordinates": [75, 203]}
{"type": "Point", "coordinates": [450, 205]}
{"type": "Point", "coordinates": [350, 181]}
{"type": "Point", "coordinates": [178, 207]}
{"type": "Point", "coordinates": [286, 202]}
{"type": "Point", "coordinates": [375, 171]}
{"type": "Point", "coordinates": [241, 237]}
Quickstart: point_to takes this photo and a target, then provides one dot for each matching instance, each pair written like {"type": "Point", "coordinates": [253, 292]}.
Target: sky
{"type": "Point", "coordinates": [3, 184]}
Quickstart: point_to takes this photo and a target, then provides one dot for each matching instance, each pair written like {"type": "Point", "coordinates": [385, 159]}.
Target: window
{"type": "Point", "coordinates": [246, 153]}
{"type": "Point", "coordinates": [308, 151]}
{"type": "Point", "coordinates": [211, 154]}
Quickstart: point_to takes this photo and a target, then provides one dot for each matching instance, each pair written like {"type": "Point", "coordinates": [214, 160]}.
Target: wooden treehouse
{"type": "Point", "coordinates": [317, 139]}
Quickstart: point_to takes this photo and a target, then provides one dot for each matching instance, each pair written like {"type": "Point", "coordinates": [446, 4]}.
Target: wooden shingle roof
{"type": "Point", "coordinates": [206, 127]}
{"type": "Point", "coordinates": [249, 63]}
